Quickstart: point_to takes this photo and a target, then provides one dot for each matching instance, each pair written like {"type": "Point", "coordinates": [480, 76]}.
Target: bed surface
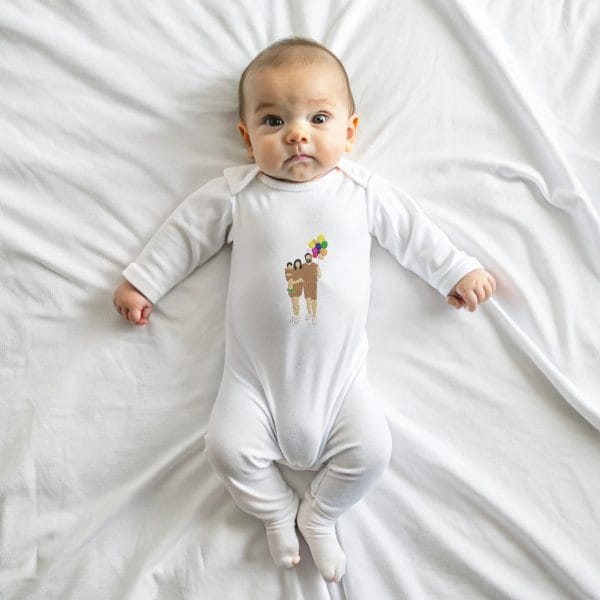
{"type": "Point", "coordinates": [487, 113]}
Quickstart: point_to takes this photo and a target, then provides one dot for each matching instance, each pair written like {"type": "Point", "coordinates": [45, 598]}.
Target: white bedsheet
{"type": "Point", "coordinates": [487, 112]}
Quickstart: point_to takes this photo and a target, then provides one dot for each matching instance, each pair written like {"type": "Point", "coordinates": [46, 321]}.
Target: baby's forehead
{"type": "Point", "coordinates": [290, 59]}
{"type": "Point", "coordinates": [326, 86]}
{"type": "Point", "coordinates": [294, 56]}
{"type": "Point", "coordinates": [324, 64]}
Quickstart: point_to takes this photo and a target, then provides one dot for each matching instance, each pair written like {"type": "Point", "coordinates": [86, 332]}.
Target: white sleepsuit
{"type": "Point", "coordinates": [297, 392]}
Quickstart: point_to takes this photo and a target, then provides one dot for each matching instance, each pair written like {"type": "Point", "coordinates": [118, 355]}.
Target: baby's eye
{"type": "Point", "coordinates": [273, 121]}
{"type": "Point", "coordinates": [320, 119]}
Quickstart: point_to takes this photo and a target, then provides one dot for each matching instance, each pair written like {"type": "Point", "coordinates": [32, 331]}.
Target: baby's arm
{"type": "Point", "coordinates": [193, 233]}
{"type": "Point", "coordinates": [420, 246]}
{"type": "Point", "coordinates": [131, 304]}
{"type": "Point", "coordinates": [473, 289]}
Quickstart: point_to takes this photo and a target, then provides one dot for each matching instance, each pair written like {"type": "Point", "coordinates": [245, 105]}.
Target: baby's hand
{"type": "Point", "coordinates": [473, 289]}
{"type": "Point", "coordinates": [131, 304]}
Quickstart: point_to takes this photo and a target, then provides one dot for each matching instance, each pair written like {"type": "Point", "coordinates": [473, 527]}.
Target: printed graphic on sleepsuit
{"type": "Point", "coordinates": [302, 279]}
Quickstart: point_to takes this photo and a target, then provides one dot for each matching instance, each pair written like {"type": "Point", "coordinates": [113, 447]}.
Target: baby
{"type": "Point", "coordinates": [295, 390]}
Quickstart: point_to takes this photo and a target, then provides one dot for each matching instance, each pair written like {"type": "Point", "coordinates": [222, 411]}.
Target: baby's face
{"type": "Point", "coordinates": [296, 123]}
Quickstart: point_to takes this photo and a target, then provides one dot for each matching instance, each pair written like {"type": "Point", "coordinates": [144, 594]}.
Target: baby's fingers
{"type": "Point", "coordinates": [481, 293]}
{"type": "Point", "coordinates": [123, 311]}
{"type": "Point", "coordinates": [486, 289]}
{"type": "Point", "coordinates": [145, 315]}
{"type": "Point", "coordinates": [455, 301]}
{"type": "Point", "coordinates": [471, 300]}
{"type": "Point", "coordinates": [134, 315]}
{"type": "Point", "coordinates": [489, 290]}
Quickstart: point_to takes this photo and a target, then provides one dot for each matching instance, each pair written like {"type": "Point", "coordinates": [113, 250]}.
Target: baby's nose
{"type": "Point", "coordinates": [296, 133]}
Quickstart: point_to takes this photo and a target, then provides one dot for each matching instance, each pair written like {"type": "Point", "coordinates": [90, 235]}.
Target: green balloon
{"type": "Point", "coordinates": [323, 244]}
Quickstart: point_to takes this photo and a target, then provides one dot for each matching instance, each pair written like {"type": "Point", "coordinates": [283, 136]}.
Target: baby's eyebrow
{"type": "Point", "coordinates": [322, 101]}
{"type": "Point", "coordinates": [263, 105]}
{"type": "Point", "coordinates": [315, 101]}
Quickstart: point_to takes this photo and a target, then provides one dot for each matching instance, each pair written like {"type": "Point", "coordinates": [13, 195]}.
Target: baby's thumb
{"type": "Point", "coordinates": [454, 300]}
{"type": "Point", "coordinates": [145, 315]}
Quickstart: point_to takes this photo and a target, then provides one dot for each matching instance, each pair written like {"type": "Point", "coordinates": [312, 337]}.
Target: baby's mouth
{"type": "Point", "coordinates": [298, 157]}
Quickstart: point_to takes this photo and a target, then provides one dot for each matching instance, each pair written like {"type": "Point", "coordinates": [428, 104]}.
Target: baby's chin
{"type": "Point", "coordinates": [298, 176]}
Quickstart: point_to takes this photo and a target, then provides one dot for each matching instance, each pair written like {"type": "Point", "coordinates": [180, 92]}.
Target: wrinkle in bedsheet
{"type": "Point", "coordinates": [18, 495]}
{"type": "Point", "coordinates": [556, 183]}
{"type": "Point", "coordinates": [479, 495]}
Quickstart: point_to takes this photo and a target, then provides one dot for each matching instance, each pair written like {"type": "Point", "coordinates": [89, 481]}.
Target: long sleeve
{"type": "Point", "coordinates": [413, 239]}
{"type": "Point", "coordinates": [194, 232]}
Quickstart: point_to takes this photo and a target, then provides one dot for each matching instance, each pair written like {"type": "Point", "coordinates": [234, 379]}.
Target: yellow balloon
{"type": "Point", "coordinates": [311, 244]}
{"type": "Point", "coordinates": [321, 238]}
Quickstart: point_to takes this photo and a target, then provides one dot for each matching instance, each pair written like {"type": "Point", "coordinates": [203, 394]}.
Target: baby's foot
{"type": "Point", "coordinates": [283, 543]}
{"type": "Point", "coordinates": [321, 538]}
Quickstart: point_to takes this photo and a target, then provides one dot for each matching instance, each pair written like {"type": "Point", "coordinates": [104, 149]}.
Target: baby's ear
{"type": "Point", "coordinates": [351, 128]}
{"type": "Point", "coordinates": [246, 137]}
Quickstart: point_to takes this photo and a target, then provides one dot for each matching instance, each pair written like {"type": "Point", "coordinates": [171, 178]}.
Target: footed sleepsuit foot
{"type": "Point", "coordinates": [283, 543]}
{"type": "Point", "coordinates": [319, 533]}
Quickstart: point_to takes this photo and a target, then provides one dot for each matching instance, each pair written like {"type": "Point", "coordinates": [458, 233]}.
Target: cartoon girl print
{"type": "Point", "coordinates": [295, 285]}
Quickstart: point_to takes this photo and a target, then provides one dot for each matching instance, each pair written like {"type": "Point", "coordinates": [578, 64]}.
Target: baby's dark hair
{"type": "Point", "coordinates": [291, 50]}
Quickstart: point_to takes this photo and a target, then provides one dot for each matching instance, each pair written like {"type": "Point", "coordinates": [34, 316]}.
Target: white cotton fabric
{"type": "Point", "coordinates": [300, 371]}
{"type": "Point", "coordinates": [486, 114]}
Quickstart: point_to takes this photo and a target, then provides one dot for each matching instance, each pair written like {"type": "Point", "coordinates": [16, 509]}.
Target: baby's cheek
{"type": "Point", "coordinates": [265, 153]}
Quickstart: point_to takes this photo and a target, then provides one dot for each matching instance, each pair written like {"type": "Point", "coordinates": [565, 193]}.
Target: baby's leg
{"type": "Point", "coordinates": [241, 446]}
{"type": "Point", "coordinates": [357, 453]}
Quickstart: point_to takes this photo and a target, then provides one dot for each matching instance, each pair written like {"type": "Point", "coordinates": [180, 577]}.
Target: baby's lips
{"type": "Point", "coordinates": [298, 157]}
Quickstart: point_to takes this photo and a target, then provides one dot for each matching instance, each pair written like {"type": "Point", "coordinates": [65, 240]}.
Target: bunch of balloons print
{"type": "Point", "coordinates": [318, 246]}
